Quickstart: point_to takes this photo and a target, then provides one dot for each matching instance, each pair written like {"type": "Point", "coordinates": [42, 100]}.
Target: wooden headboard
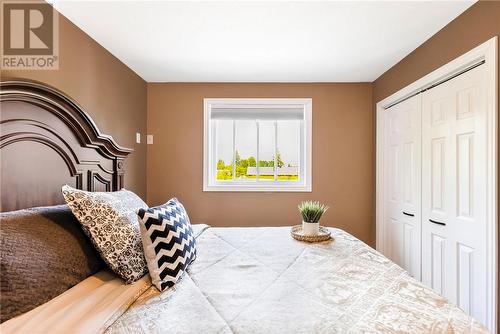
{"type": "Point", "coordinates": [46, 141]}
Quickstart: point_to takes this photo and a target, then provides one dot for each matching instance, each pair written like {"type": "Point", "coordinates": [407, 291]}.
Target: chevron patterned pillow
{"type": "Point", "coordinates": [168, 242]}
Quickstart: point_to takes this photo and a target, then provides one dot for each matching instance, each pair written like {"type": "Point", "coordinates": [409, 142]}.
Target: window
{"type": "Point", "coordinates": [257, 145]}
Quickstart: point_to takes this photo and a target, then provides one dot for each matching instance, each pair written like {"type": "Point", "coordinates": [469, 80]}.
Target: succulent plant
{"type": "Point", "coordinates": [312, 211]}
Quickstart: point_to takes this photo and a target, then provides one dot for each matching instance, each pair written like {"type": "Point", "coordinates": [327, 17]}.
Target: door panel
{"type": "Point", "coordinates": [454, 191]}
{"type": "Point", "coordinates": [396, 233]}
{"type": "Point", "coordinates": [437, 261]}
{"type": "Point", "coordinates": [408, 245]}
{"type": "Point", "coordinates": [465, 158]}
{"type": "Point", "coordinates": [408, 172]}
{"type": "Point", "coordinates": [403, 207]}
{"type": "Point", "coordinates": [437, 174]}
{"type": "Point", "coordinates": [465, 256]}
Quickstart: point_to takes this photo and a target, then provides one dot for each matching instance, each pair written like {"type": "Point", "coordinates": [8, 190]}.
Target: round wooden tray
{"type": "Point", "coordinates": [324, 234]}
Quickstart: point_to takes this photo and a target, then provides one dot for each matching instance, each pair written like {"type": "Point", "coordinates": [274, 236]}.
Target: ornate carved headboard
{"type": "Point", "coordinates": [46, 141]}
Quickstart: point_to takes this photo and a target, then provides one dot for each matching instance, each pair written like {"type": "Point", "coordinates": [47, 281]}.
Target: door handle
{"type": "Point", "coordinates": [408, 214]}
{"type": "Point", "coordinates": [436, 222]}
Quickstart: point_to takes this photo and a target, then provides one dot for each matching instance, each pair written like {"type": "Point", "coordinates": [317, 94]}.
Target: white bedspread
{"type": "Point", "coordinates": [260, 280]}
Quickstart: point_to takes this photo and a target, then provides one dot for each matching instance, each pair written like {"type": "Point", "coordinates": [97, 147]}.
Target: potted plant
{"type": "Point", "coordinates": [311, 213]}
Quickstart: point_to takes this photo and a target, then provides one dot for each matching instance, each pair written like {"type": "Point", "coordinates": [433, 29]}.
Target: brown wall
{"type": "Point", "coordinates": [475, 26]}
{"type": "Point", "coordinates": [342, 155]}
{"type": "Point", "coordinates": [112, 94]}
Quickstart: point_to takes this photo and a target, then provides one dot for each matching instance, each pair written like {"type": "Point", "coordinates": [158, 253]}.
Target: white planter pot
{"type": "Point", "coordinates": [310, 228]}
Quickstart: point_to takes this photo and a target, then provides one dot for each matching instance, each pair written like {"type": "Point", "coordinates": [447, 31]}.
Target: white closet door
{"type": "Point", "coordinates": [454, 192]}
{"type": "Point", "coordinates": [403, 210]}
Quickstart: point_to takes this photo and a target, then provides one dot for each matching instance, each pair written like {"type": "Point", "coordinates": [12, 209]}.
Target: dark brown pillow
{"type": "Point", "coordinates": [44, 252]}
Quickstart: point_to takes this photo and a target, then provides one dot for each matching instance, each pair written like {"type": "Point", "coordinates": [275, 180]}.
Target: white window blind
{"type": "Point", "coordinates": [264, 113]}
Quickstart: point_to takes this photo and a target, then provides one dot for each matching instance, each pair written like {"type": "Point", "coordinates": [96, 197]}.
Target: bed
{"type": "Point", "coordinates": [244, 280]}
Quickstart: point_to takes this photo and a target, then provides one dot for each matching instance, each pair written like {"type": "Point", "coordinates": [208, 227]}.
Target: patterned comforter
{"type": "Point", "coordinates": [260, 280]}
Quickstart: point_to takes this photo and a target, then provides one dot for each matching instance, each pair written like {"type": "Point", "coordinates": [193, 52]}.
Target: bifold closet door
{"type": "Point", "coordinates": [454, 168]}
{"type": "Point", "coordinates": [403, 184]}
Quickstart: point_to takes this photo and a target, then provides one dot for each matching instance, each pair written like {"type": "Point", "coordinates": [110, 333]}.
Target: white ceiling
{"type": "Point", "coordinates": [261, 41]}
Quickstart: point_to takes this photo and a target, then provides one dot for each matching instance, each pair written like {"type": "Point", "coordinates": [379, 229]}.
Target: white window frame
{"type": "Point", "coordinates": [304, 184]}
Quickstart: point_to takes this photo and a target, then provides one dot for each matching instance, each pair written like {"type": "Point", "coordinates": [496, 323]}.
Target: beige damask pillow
{"type": "Point", "coordinates": [110, 221]}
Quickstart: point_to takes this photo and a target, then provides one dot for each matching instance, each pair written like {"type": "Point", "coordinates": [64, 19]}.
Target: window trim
{"type": "Point", "coordinates": [211, 185]}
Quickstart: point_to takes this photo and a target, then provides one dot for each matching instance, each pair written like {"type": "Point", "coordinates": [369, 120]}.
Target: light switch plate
{"type": "Point", "coordinates": [137, 137]}
{"type": "Point", "coordinates": [150, 139]}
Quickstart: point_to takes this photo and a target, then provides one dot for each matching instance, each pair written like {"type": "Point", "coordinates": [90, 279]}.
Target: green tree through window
{"type": "Point", "coordinates": [225, 172]}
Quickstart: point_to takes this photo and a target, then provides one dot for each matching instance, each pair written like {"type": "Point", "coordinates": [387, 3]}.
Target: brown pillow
{"type": "Point", "coordinates": [44, 252]}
